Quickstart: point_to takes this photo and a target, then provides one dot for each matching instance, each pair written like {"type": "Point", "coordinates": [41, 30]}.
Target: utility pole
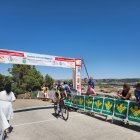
{"type": "Point", "coordinates": [85, 68]}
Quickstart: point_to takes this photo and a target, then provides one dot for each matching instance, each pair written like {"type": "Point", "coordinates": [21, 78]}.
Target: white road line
{"type": "Point", "coordinates": [42, 121]}
{"type": "Point", "coordinates": [34, 122]}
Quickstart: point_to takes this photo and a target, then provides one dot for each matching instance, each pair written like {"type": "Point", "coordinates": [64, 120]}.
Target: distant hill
{"type": "Point", "coordinates": [127, 80]}
{"type": "Point", "coordinates": [117, 82]}
{"type": "Point", "coordinates": [131, 81]}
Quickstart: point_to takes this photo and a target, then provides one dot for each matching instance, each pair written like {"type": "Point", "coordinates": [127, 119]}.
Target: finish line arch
{"type": "Point", "coordinates": [26, 58]}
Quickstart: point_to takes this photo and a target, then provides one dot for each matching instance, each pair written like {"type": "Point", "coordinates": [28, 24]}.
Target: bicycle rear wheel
{"type": "Point", "coordinates": [55, 108]}
{"type": "Point", "coordinates": [65, 112]}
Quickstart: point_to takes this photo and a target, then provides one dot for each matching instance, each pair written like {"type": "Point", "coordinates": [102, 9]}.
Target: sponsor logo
{"type": "Point", "coordinates": [80, 101]}
{"type": "Point", "coordinates": [24, 60]}
{"type": "Point", "coordinates": [135, 110]}
{"type": "Point", "coordinates": [74, 100]}
{"type": "Point", "coordinates": [98, 103]}
{"type": "Point", "coordinates": [78, 70]}
{"type": "Point", "coordinates": [88, 102]}
{"type": "Point", "coordinates": [121, 108]}
{"type": "Point", "coordinates": [1, 58]}
{"type": "Point", "coordinates": [60, 63]}
{"type": "Point", "coordinates": [78, 80]}
{"type": "Point", "coordinates": [39, 57]}
{"type": "Point", "coordinates": [108, 105]}
{"type": "Point", "coordinates": [10, 58]}
{"type": "Point", "coordinates": [64, 59]}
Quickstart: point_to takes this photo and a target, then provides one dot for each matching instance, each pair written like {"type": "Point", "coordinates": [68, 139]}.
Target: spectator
{"type": "Point", "coordinates": [59, 85]}
{"type": "Point", "coordinates": [125, 93]}
{"type": "Point", "coordinates": [27, 95]}
{"type": "Point", "coordinates": [7, 95]}
{"type": "Point", "coordinates": [90, 90]}
{"type": "Point", "coordinates": [71, 85]}
{"type": "Point", "coordinates": [86, 80]}
{"type": "Point", "coordinates": [66, 87]}
{"type": "Point", "coordinates": [4, 125]}
{"type": "Point", "coordinates": [55, 86]}
{"type": "Point", "coordinates": [30, 91]}
{"type": "Point", "coordinates": [137, 92]}
{"type": "Point", "coordinates": [45, 92]}
{"type": "Point", "coordinates": [91, 82]}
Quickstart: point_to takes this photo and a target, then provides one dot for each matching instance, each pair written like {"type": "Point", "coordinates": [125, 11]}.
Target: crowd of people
{"type": "Point", "coordinates": [124, 94]}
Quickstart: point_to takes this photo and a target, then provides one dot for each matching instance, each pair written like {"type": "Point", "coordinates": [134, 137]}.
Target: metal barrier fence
{"type": "Point", "coordinates": [116, 108]}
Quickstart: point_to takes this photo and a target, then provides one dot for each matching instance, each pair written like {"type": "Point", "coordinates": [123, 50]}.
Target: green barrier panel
{"type": "Point", "coordinates": [80, 102]}
{"type": "Point", "coordinates": [88, 102]}
{"type": "Point", "coordinates": [108, 106]}
{"type": "Point", "coordinates": [121, 109]}
{"type": "Point", "coordinates": [98, 104]}
{"type": "Point", "coordinates": [134, 112]}
{"type": "Point", "coordinates": [74, 101]}
{"type": "Point", "coordinates": [68, 100]}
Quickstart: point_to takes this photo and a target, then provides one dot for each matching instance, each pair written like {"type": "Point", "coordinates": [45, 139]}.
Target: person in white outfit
{"type": "Point", "coordinates": [8, 96]}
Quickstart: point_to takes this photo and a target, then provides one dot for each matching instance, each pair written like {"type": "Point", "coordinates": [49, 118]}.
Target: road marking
{"type": "Point", "coordinates": [42, 121]}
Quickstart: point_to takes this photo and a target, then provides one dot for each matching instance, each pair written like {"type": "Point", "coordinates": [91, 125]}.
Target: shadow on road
{"type": "Point", "coordinates": [33, 108]}
{"type": "Point", "coordinates": [120, 123]}
{"type": "Point", "coordinates": [57, 116]}
{"type": "Point", "coordinates": [127, 125]}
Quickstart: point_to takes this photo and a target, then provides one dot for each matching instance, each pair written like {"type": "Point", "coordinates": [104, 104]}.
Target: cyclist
{"type": "Point", "coordinates": [60, 95]}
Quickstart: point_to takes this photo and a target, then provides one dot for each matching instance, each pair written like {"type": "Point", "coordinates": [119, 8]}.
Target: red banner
{"type": "Point", "coordinates": [9, 53]}
{"type": "Point", "coordinates": [64, 59]}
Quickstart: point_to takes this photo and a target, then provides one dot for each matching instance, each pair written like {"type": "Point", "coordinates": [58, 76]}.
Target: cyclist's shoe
{"type": "Point", "coordinates": [9, 130]}
{"type": "Point", "coordinates": [57, 115]}
{"type": "Point", "coordinates": [5, 135]}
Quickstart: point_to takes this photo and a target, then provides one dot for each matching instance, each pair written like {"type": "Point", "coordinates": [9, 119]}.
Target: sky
{"type": "Point", "coordinates": [105, 33]}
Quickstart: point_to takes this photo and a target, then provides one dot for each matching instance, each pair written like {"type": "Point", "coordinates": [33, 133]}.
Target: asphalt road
{"type": "Point", "coordinates": [43, 125]}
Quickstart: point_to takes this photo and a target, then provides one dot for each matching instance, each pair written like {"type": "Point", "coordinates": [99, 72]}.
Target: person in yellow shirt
{"type": "Point", "coordinates": [27, 95]}
{"type": "Point", "coordinates": [45, 92]}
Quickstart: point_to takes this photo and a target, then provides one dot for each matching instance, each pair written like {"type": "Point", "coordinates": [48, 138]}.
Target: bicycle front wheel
{"type": "Point", "coordinates": [65, 112]}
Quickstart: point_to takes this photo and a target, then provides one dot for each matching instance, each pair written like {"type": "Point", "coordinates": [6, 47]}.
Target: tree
{"type": "Point", "coordinates": [25, 77]}
{"type": "Point", "coordinates": [49, 81]}
{"type": "Point", "coordinates": [70, 81]}
{"type": "Point", "coordinates": [4, 79]}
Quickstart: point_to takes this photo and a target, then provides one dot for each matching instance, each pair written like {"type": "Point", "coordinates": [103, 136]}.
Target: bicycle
{"type": "Point", "coordinates": [63, 110]}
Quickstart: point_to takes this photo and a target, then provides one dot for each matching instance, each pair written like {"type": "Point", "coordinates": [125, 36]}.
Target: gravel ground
{"type": "Point", "coordinates": [25, 103]}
